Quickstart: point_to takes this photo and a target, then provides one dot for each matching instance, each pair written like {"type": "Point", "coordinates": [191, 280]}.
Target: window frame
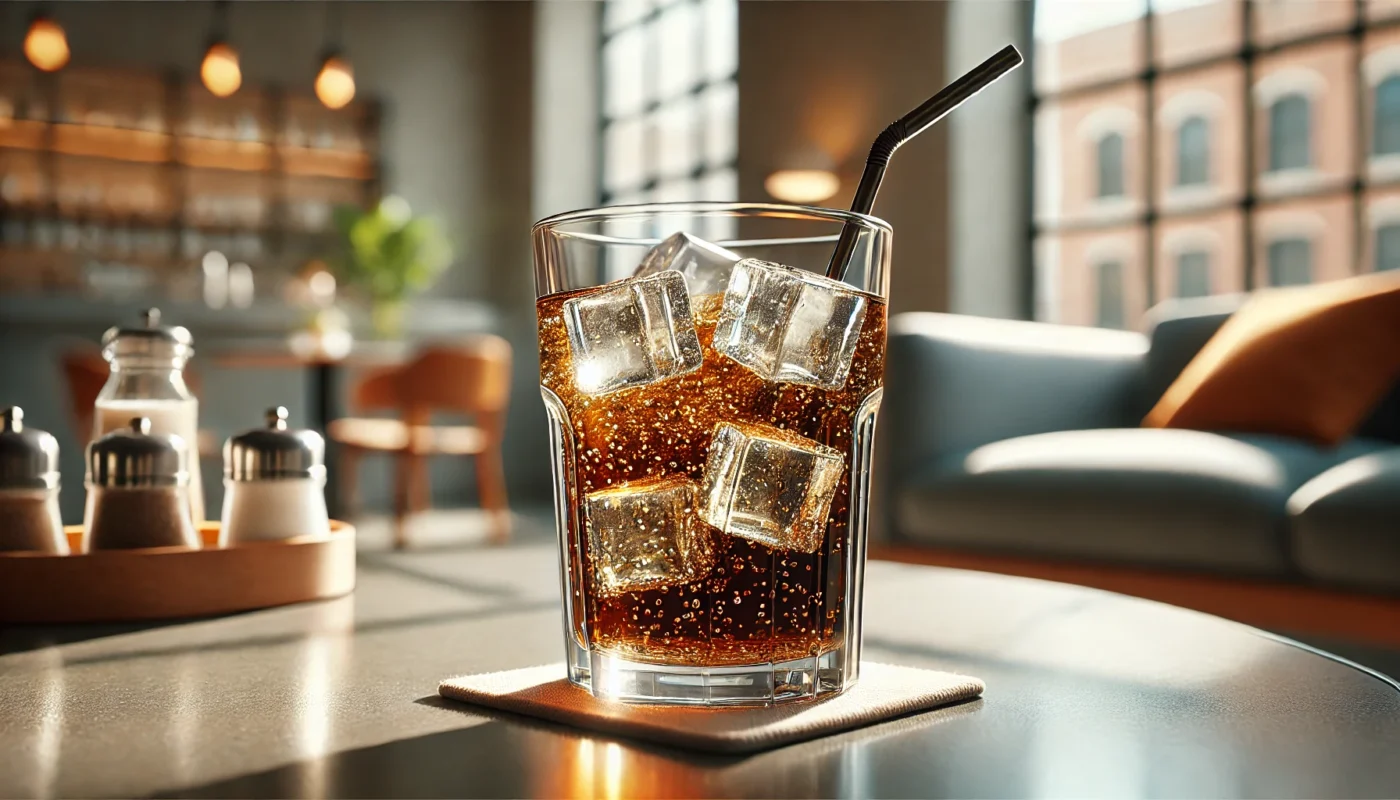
{"type": "Point", "coordinates": [1116, 169]}
{"type": "Point", "coordinates": [655, 106]}
{"type": "Point", "coordinates": [1119, 270]}
{"type": "Point", "coordinates": [1205, 263]}
{"type": "Point", "coordinates": [1392, 79]}
{"type": "Point", "coordinates": [1272, 268]}
{"type": "Point", "coordinates": [1378, 234]}
{"type": "Point", "coordinates": [1150, 206]}
{"type": "Point", "coordinates": [1276, 149]}
{"type": "Point", "coordinates": [1205, 159]}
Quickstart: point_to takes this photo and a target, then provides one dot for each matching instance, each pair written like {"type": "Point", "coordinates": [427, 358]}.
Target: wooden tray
{"type": "Point", "coordinates": [166, 582]}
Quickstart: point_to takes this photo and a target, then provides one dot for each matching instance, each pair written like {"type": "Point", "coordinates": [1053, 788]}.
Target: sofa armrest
{"type": "Point", "coordinates": [955, 382]}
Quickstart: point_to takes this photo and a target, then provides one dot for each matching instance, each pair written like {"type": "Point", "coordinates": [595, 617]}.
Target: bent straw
{"type": "Point", "coordinates": [906, 128]}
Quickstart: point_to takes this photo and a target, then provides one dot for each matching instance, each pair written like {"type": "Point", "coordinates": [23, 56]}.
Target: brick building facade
{"type": "Point", "coordinates": [1308, 192]}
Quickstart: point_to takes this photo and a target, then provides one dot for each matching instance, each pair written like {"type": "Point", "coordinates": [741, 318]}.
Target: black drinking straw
{"type": "Point", "coordinates": [906, 128]}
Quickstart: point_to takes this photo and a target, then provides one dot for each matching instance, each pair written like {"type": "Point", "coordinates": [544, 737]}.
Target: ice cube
{"type": "Point", "coordinates": [705, 266]}
{"type": "Point", "coordinates": [631, 333]}
{"type": "Point", "coordinates": [770, 486]}
{"type": "Point", "coordinates": [790, 325]}
{"type": "Point", "coordinates": [646, 535]}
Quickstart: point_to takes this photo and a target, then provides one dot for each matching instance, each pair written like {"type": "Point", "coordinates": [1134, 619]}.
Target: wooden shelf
{"type": "Point", "coordinates": [243, 156]}
{"type": "Point", "coordinates": [150, 147]}
{"type": "Point", "coordinates": [119, 144]}
{"type": "Point", "coordinates": [22, 134]}
{"type": "Point", "coordinates": [147, 149]}
{"type": "Point", "coordinates": [312, 162]}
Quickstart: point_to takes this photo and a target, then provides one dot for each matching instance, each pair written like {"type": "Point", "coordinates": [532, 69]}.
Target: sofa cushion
{"type": "Point", "coordinates": [1179, 328]}
{"type": "Point", "coordinates": [1162, 497]}
{"type": "Point", "coordinates": [1346, 523]}
{"type": "Point", "coordinates": [1310, 362]}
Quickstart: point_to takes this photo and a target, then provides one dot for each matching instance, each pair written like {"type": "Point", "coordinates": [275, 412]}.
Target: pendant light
{"type": "Point", "coordinates": [335, 83]}
{"type": "Point", "coordinates": [219, 70]}
{"type": "Point", "coordinates": [46, 44]}
{"type": "Point", "coordinates": [802, 185]}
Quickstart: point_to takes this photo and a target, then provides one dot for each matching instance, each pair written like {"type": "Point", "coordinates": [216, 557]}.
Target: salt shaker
{"type": "Point", "coordinates": [274, 483]}
{"type": "Point", "coordinates": [29, 516]}
{"type": "Point", "coordinates": [138, 491]}
{"type": "Point", "coordinates": [148, 380]}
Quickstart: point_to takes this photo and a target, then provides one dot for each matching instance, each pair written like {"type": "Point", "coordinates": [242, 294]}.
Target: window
{"type": "Point", "coordinates": [1290, 262]}
{"type": "Point", "coordinates": [1388, 247]}
{"type": "Point", "coordinates": [1193, 152]}
{"type": "Point", "coordinates": [669, 100]}
{"type": "Point", "coordinates": [1193, 274]}
{"type": "Point", "coordinates": [1290, 145]}
{"type": "Point", "coordinates": [1385, 133]}
{"type": "Point", "coordinates": [1268, 103]}
{"type": "Point", "coordinates": [1110, 165]}
{"type": "Point", "coordinates": [1111, 313]}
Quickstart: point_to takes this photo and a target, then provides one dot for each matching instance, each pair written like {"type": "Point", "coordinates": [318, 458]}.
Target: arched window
{"type": "Point", "coordinates": [1385, 122]}
{"type": "Point", "coordinates": [1388, 247]}
{"type": "Point", "coordinates": [1290, 133]}
{"type": "Point", "coordinates": [1111, 313]}
{"type": "Point", "coordinates": [1109, 152]}
{"type": "Point", "coordinates": [1290, 262]}
{"type": "Point", "coordinates": [1193, 274]}
{"type": "Point", "coordinates": [1193, 152]}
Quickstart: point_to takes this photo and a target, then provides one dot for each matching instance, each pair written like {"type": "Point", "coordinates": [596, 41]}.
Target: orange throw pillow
{"type": "Point", "coordinates": [1309, 362]}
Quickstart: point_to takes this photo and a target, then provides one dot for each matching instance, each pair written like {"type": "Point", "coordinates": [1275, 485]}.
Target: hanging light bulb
{"type": "Point", "coordinates": [219, 70]}
{"type": "Point", "coordinates": [335, 84]}
{"type": "Point", "coordinates": [802, 185]}
{"type": "Point", "coordinates": [46, 45]}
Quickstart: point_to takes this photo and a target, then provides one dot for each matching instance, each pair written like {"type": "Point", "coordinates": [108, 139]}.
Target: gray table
{"type": "Point", "coordinates": [1089, 694]}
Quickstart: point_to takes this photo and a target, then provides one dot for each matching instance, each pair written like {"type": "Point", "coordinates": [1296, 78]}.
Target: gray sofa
{"type": "Point", "coordinates": [1023, 438]}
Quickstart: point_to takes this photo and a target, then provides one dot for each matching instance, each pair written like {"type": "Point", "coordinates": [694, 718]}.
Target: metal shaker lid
{"type": "Point", "coordinates": [28, 456]}
{"type": "Point", "coordinates": [134, 456]}
{"type": "Point", "coordinates": [274, 451]}
{"type": "Point", "coordinates": [149, 338]}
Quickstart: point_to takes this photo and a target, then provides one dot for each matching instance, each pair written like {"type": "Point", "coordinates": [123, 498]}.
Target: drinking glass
{"type": "Point", "coordinates": [711, 428]}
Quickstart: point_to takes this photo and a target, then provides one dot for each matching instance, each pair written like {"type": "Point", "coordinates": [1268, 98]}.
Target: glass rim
{"type": "Point", "coordinates": [605, 213]}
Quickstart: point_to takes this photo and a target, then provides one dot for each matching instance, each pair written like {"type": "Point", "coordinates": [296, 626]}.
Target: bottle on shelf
{"type": "Point", "coordinates": [148, 380]}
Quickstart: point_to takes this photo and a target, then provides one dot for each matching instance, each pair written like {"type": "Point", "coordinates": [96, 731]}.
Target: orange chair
{"type": "Point", "coordinates": [472, 378]}
{"type": "Point", "coordinates": [86, 372]}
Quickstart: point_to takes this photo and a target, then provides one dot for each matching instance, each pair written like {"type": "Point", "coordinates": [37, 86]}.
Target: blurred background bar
{"type": "Point", "coordinates": [203, 157]}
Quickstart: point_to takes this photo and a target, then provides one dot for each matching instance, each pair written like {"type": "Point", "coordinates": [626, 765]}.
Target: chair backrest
{"type": "Point", "coordinates": [377, 390]}
{"type": "Point", "coordinates": [85, 372]}
{"type": "Point", "coordinates": [471, 377]}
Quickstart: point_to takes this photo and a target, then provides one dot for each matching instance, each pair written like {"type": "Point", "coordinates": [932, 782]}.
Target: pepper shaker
{"type": "Point", "coordinates": [138, 486]}
{"type": "Point", "coordinates": [29, 516]}
{"type": "Point", "coordinates": [274, 483]}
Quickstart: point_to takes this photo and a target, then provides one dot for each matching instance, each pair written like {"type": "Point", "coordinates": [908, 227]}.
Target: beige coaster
{"type": "Point", "coordinates": [884, 692]}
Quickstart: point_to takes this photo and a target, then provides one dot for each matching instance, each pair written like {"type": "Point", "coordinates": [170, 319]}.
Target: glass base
{"type": "Point", "coordinates": [611, 678]}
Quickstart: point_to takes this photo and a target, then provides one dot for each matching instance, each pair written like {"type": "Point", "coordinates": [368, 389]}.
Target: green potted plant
{"type": "Point", "coordinates": [388, 253]}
